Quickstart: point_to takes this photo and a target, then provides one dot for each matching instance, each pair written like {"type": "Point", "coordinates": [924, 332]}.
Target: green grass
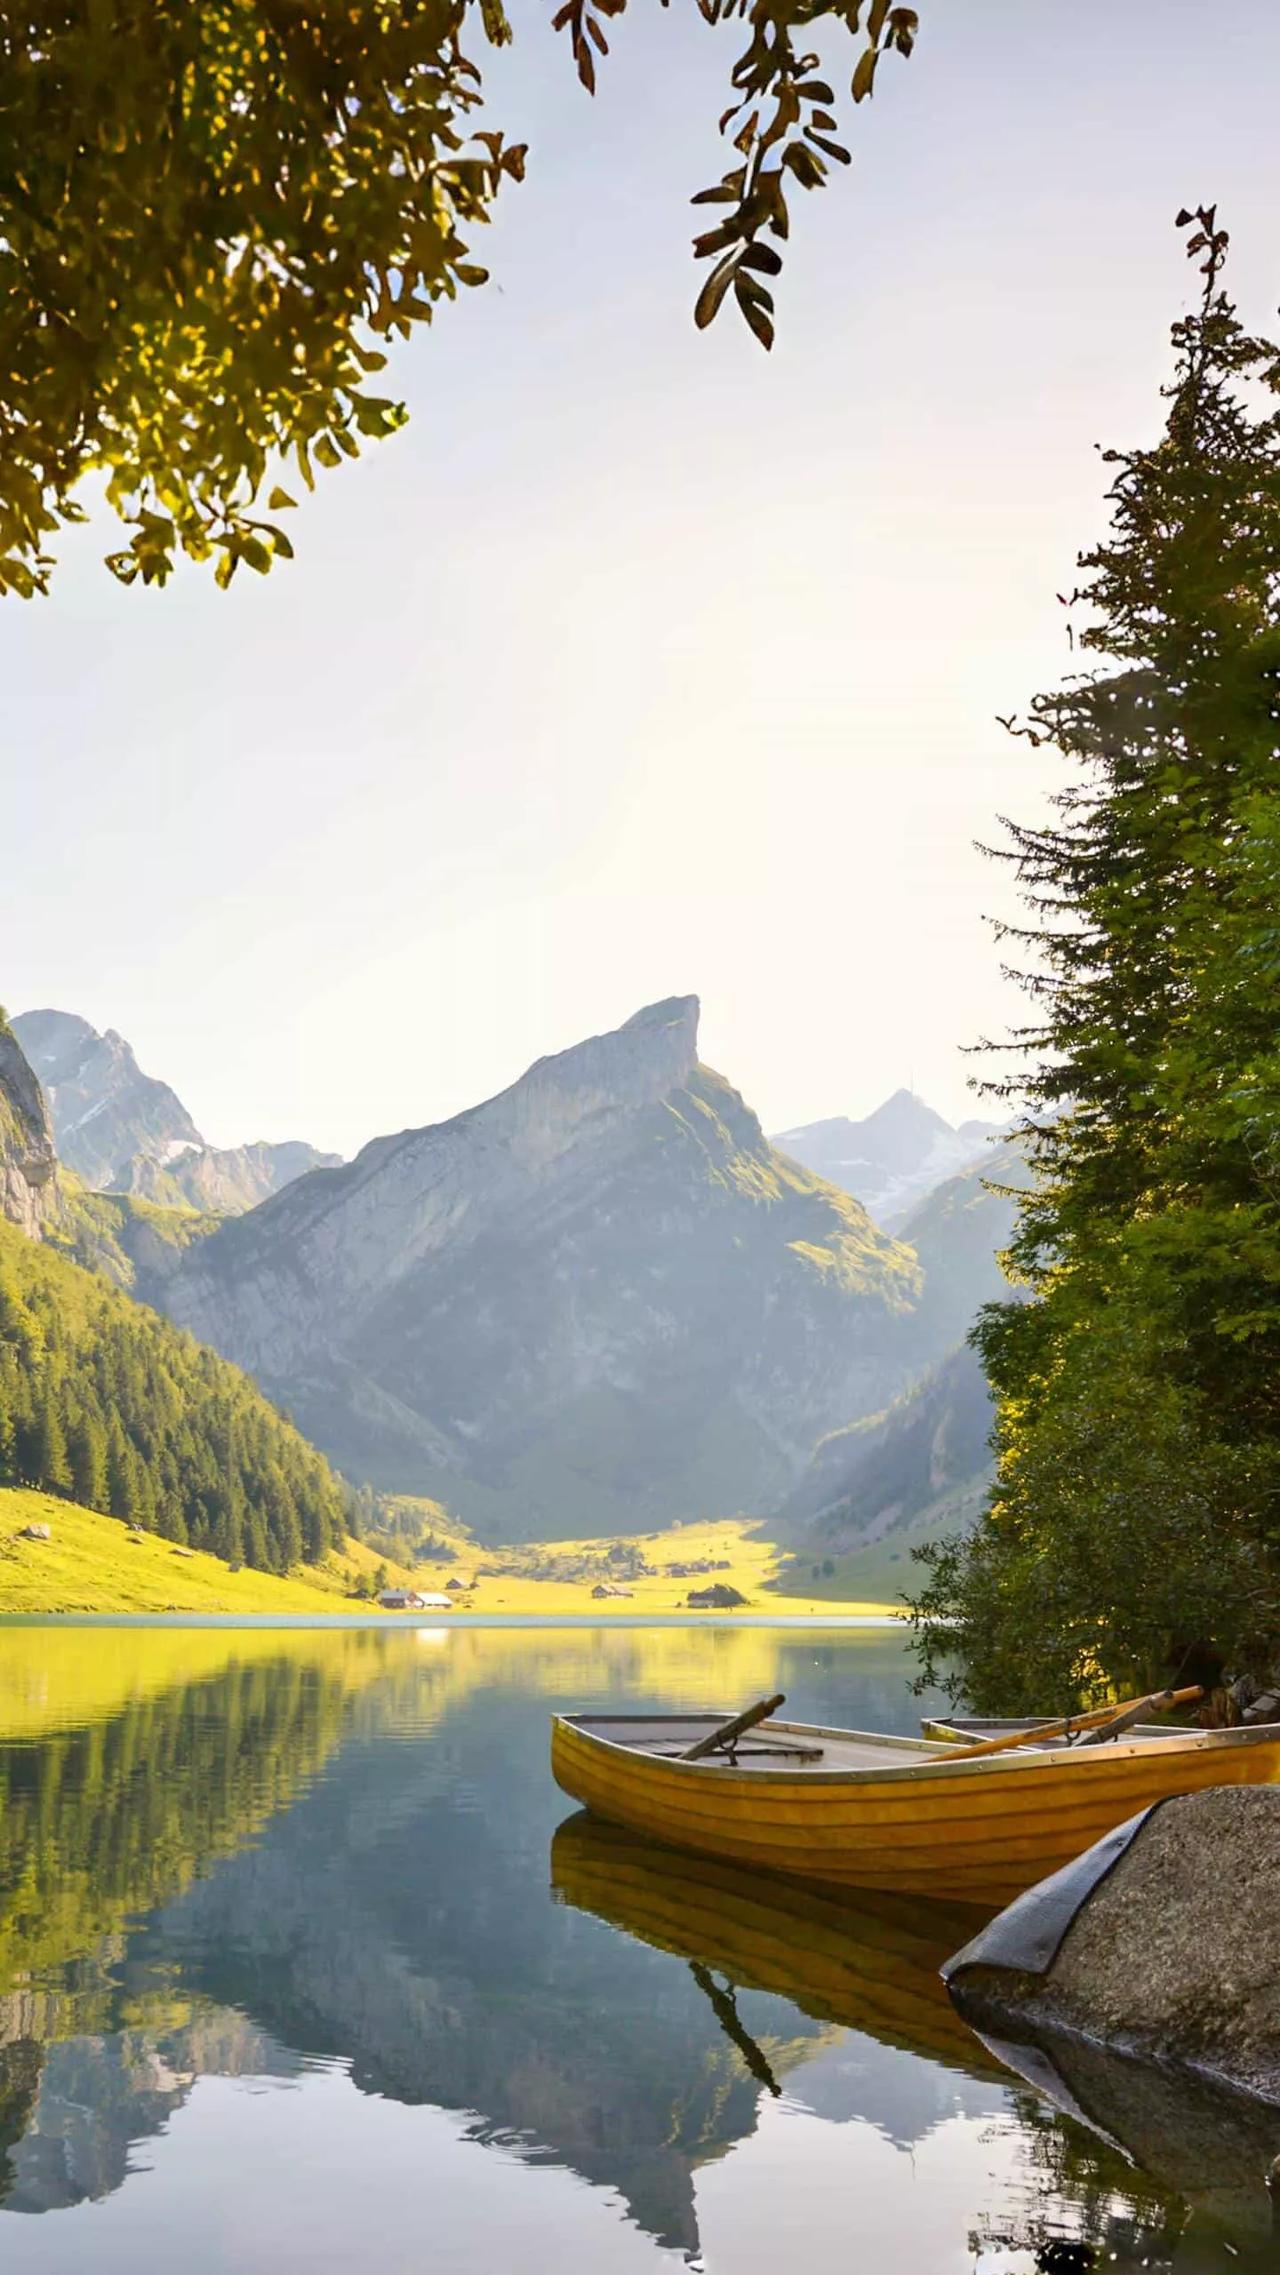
{"type": "Point", "coordinates": [94, 1564]}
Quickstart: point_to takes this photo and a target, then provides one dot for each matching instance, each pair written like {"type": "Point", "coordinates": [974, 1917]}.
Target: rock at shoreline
{"type": "Point", "coordinates": [1174, 1956]}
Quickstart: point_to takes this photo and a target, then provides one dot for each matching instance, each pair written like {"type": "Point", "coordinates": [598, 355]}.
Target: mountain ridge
{"type": "Point", "coordinates": [600, 1288]}
{"type": "Point", "coordinates": [891, 1158]}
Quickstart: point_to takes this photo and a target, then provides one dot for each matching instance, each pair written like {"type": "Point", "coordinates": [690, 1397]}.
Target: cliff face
{"type": "Point", "coordinates": [600, 1299]}
{"type": "Point", "coordinates": [28, 1163]}
{"type": "Point", "coordinates": [104, 1108]}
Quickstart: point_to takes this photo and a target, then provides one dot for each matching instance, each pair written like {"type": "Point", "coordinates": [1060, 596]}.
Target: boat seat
{"type": "Point", "coordinates": [790, 1751]}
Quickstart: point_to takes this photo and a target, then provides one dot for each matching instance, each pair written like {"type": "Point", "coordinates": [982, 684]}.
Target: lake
{"type": "Point", "coordinates": [306, 1965]}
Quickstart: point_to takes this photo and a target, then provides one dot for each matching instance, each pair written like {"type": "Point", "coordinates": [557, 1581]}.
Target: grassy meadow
{"type": "Point", "coordinates": [93, 1563]}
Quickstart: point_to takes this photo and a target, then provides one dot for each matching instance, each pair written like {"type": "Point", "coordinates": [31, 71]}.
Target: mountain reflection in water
{"type": "Point", "coordinates": [300, 1968]}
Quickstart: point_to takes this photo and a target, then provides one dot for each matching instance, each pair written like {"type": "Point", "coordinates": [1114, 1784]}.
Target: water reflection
{"type": "Point", "coordinates": [317, 1865]}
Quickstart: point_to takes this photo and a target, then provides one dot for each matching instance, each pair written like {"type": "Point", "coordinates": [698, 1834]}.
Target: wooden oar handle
{"type": "Point", "coordinates": [1158, 1703]}
{"type": "Point", "coordinates": [1103, 1722]}
{"type": "Point", "coordinates": [728, 1731]}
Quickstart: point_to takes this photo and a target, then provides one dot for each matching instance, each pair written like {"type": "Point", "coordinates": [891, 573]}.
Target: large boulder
{"type": "Point", "coordinates": [1173, 1952]}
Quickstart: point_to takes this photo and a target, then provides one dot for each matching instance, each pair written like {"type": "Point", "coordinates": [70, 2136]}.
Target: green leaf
{"type": "Point", "coordinates": [279, 499]}
{"type": "Point", "coordinates": [713, 291]}
{"type": "Point", "coordinates": [864, 77]}
{"type": "Point", "coordinates": [757, 316]}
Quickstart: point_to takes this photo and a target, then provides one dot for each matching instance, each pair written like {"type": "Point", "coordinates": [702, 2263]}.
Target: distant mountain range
{"type": "Point", "coordinates": [893, 1158]}
{"type": "Point", "coordinates": [122, 1131]}
{"type": "Point", "coordinates": [597, 1302]}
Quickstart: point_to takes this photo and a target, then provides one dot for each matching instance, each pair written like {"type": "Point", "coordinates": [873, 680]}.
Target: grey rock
{"type": "Point", "coordinates": [1176, 1955]}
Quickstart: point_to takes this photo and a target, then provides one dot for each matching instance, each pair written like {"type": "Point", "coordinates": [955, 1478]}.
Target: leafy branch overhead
{"type": "Point", "coordinates": [215, 217]}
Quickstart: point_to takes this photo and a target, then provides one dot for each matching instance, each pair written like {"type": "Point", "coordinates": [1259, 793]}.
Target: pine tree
{"type": "Point", "coordinates": [1150, 1249]}
{"type": "Point", "coordinates": [88, 1451]}
{"type": "Point", "coordinates": [52, 1466]}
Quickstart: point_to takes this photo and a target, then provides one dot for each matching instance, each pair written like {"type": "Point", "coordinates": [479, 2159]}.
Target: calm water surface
{"type": "Point", "coordinates": [305, 1965]}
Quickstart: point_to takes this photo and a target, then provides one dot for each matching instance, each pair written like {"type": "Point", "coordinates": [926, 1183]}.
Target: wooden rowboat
{"type": "Point", "coordinates": [862, 1810]}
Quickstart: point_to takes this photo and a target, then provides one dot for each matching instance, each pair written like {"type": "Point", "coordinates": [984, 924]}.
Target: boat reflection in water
{"type": "Point", "coordinates": [1166, 2171]}
{"type": "Point", "coordinates": [866, 1962]}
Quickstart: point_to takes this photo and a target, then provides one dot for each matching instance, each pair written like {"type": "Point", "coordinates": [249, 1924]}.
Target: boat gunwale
{"type": "Point", "coordinates": [935, 1763]}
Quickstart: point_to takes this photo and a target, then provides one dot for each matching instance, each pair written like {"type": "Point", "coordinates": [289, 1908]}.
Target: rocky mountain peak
{"type": "Point", "coordinates": [651, 1053]}
{"type": "Point", "coordinates": [104, 1108]}
{"type": "Point", "coordinates": [891, 1158]}
{"type": "Point", "coordinates": [599, 1296]}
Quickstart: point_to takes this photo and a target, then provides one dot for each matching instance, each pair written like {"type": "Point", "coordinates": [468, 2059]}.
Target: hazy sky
{"type": "Point", "coordinates": [642, 662]}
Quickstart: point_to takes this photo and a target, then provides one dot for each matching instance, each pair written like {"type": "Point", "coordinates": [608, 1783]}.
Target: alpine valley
{"type": "Point", "coordinates": [599, 1303]}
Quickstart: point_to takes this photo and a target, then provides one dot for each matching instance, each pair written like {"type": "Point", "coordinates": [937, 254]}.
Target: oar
{"type": "Point", "coordinates": [728, 1731]}
{"type": "Point", "coordinates": [1125, 1716]}
{"type": "Point", "coordinates": [725, 2008]}
{"type": "Point", "coordinates": [1102, 1722]}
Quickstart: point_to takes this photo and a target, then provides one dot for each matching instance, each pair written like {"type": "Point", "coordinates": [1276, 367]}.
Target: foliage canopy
{"type": "Point", "coordinates": [214, 216]}
{"type": "Point", "coordinates": [1137, 1506]}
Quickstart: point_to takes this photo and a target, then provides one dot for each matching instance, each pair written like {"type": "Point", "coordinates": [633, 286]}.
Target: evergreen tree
{"type": "Point", "coordinates": [52, 1468]}
{"type": "Point", "coordinates": [1137, 1505]}
{"type": "Point", "coordinates": [88, 1451]}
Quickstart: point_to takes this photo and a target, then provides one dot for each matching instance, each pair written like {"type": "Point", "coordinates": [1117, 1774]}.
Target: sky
{"type": "Point", "coordinates": [642, 663]}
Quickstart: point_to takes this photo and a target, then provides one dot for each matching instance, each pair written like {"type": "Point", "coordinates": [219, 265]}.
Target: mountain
{"type": "Point", "coordinates": [875, 1476]}
{"type": "Point", "coordinates": [927, 1455]}
{"type": "Point", "coordinates": [958, 1232]}
{"type": "Point", "coordinates": [220, 1180]}
{"type": "Point", "coordinates": [100, 1398]}
{"type": "Point", "coordinates": [890, 1160]}
{"type": "Point", "coordinates": [28, 1163]}
{"type": "Point", "coordinates": [598, 1301]}
{"type": "Point", "coordinates": [122, 1131]}
{"type": "Point", "coordinates": [104, 1108]}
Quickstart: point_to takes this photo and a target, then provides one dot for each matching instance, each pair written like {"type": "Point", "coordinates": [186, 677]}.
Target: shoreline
{"type": "Point", "coordinates": [411, 1622]}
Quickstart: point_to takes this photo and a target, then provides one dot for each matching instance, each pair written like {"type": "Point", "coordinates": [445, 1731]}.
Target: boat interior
{"type": "Point", "coordinates": [768, 1745]}
{"type": "Point", "coordinates": [798, 1746]}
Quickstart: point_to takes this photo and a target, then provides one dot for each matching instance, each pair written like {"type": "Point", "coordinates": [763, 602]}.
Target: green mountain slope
{"type": "Point", "coordinates": [957, 1232]}
{"type": "Point", "coordinates": [101, 1398]}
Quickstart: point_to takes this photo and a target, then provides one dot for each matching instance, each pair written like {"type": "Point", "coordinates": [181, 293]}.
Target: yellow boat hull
{"type": "Point", "coordinates": [913, 1819]}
